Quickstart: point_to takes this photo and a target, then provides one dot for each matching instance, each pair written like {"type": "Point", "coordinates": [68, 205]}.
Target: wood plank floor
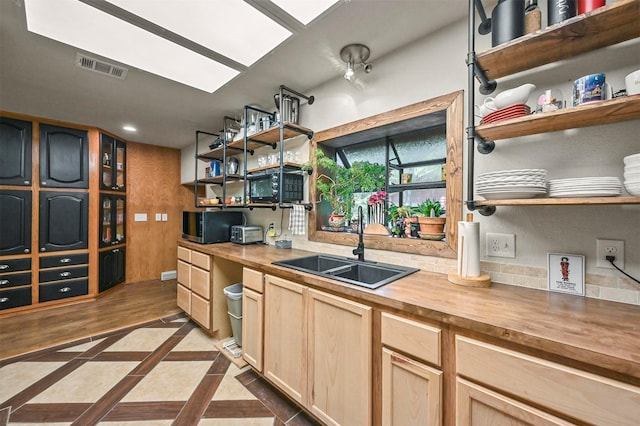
{"type": "Point", "coordinates": [125, 305]}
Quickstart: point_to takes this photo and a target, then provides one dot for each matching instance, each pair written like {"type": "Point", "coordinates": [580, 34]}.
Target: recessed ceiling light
{"type": "Point", "coordinates": [230, 27]}
{"type": "Point", "coordinates": [105, 35]}
{"type": "Point", "coordinates": [129, 128]}
{"type": "Point", "coordinates": [305, 11]}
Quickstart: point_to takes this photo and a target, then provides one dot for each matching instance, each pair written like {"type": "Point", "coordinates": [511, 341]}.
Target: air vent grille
{"type": "Point", "coordinates": [100, 67]}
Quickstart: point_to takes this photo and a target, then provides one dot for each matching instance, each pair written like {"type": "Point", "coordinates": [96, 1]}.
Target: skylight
{"type": "Point", "coordinates": [230, 27]}
{"type": "Point", "coordinates": [77, 24]}
{"type": "Point", "coordinates": [305, 11]}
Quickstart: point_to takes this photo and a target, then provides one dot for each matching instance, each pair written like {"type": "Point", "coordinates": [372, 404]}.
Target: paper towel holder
{"type": "Point", "coordinates": [482, 280]}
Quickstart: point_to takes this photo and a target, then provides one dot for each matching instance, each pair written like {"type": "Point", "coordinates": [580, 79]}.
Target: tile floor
{"type": "Point", "coordinates": [162, 373]}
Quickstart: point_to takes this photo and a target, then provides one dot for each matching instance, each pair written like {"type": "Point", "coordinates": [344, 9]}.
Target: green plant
{"type": "Point", "coordinates": [337, 184]}
{"type": "Point", "coordinates": [429, 208]}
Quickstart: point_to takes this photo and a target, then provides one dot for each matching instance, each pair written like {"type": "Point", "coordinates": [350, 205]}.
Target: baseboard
{"type": "Point", "coordinates": [168, 275]}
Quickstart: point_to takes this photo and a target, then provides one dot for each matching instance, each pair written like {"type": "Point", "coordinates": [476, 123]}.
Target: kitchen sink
{"type": "Point", "coordinates": [364, 274]}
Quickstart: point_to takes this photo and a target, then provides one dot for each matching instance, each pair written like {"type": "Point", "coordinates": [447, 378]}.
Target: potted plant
{"type": "Point", "coordinates": [429, 217]}
{"type": "Point", "coordinates": [336, 184]}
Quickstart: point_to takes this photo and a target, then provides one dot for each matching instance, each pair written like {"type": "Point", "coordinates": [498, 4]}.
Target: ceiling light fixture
{"type": "Point", "coordinates": [129, 128]}
{"type": "Point", "coordinates": [355, 54]}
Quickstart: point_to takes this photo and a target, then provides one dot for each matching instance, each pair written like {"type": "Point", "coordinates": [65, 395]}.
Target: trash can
{"type": "Point", "coordinates": [234, 309]}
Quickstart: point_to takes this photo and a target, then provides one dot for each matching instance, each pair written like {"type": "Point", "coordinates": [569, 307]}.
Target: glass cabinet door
{"type": "Point", "coordinates": [112, 214]}
{"type": "Point", "coordinates": [113, 159]}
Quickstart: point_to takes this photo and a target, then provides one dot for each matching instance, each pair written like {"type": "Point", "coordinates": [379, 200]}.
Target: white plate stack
{"type": "Point", "coordinates": [507, 184]}
{"type": "Point", "coordinates": [585, 187]}
{"type": "Point", "coordinates": [632, 174]}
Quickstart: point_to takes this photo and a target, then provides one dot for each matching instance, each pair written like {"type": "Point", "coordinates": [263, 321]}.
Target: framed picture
{"type": "Point", "coordinates": [565, 273]}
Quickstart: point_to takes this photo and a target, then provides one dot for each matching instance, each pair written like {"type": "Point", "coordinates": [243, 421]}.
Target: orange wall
{"type": "Point", "coordinates": [153, 186]}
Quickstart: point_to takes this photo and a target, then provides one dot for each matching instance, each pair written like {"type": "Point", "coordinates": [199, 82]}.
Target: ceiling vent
{"type": "Point", "coordinates": [100, 67]}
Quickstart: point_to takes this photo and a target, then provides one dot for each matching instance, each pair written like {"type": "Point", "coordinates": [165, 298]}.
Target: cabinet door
{"type": "Point", "coordinates": [252, 327]}
{"type": "Point", "coordinates": [411, 392]}
{"type": "Point", "coordinates": [113, 161]}
{"type": "Point", "coordinates": [113, 215]}
{"type": "Point", "coordinates": [478, 406]}
{"type": "Point", "coordinates": [112, 268]}
{"type": "Point", "coordinates": [15, 222]}
{"type": "Point", "coordinates": [15, 146]}
{"type": "Point", "coordinates": [285, 342]}
{"type": "Point", "coordinates": [64, 157]}
{"type": "Point", "coordinates": [120, 170]}
{"type": "Point", "coordinates": [64, 220]}
{"type": "Point", "coordinates": [339, 353]}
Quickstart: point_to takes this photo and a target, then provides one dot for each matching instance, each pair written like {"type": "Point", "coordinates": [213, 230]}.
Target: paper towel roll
{"type": "Point", "coordinates": [468, 249]}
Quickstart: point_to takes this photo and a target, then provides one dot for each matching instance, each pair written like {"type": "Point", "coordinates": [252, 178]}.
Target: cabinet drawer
{"type": "Point", "coordinates": [253, 280]}
{"type": "Point", "coordinates": [64, 260]}
{"type": "Point", "coordinates": [14, 280]}
{"type": "Point", "coordinates": [184, 254]}
{"type": "Point", "coordinates": [184, 299]}
{"type": "Point", "coordinates": [63, 273]}
{"type": "Point", "coordinates": [200, 282]}
{"type": "Point", "coordinates": [15, 297]}
{"type": "Point", "coordinates": [184, 274]}
{"type": "Point", "coordinates": [585, 396]}
{"type": "Point", "coordinates": [416, 339]}
{"type": "Point", "coordinates": [62, 290]}
{"type": "Point", "coordinates": [200, 310]}
{"type": "Point", "coordinates": [14, 265]}
{"type": "Point", "coordinates": [201, 260]}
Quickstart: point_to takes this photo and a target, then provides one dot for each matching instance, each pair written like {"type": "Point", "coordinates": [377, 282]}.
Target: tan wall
{"type": "Point", "coordinates": [153, 186]}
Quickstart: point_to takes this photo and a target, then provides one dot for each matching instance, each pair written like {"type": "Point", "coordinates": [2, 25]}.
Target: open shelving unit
{"type": "Point", "coordinates": [599, 28]}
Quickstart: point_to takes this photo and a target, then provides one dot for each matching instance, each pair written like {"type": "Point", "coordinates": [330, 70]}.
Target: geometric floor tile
{"type": "Point", "coordinates": [157, 374]}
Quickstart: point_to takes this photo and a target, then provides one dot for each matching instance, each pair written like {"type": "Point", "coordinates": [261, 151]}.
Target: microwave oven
{"type": "Point", "coordinates": [206, 227]}
{"type": "Point", "coordinates": [265, 188]}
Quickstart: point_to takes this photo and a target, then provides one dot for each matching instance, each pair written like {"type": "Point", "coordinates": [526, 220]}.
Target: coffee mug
{"type": "Point", "coordinates": [632, 83]}
{"type": "Point", "coordinates": [589, 88]}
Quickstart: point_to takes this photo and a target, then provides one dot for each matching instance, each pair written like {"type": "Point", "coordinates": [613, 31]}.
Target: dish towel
{"type": "Point", "coordinates": [296, 220]}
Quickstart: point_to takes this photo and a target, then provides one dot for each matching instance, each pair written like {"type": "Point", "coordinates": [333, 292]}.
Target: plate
{"type": "Point", "coordinates": [629, 159]}
{"type": "Point", "coordinates": [432, 237]}
{"type": "Point", "coordinates": [507, 195]}
{"type": "Point", "coordinates": [580, 194]}
{"type": "Point", "coordinates": [513, 111]}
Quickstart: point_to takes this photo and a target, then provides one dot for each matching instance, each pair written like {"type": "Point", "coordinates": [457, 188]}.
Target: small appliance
{"type": "Point", "coordinates": [206, 227]}
{"type": "Point", "coordinates": [246, 234]}
{"type": "Point", "coordinates": [266, 187]}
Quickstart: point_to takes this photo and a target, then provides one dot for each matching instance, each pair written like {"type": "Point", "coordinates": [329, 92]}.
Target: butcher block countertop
{"type": "Point", "coordinates": [592, 331]}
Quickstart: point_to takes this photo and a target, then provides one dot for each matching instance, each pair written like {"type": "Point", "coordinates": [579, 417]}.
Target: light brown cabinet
{"type": "Point", "coordinates": [411, 389]}
{"type": "Point", "coordinates": [317, 349]}
{"type": "Point", "coordinates": [200, 293]}
{"type": "Point", "coordinates": [253, 317]}
{"type": "Point", "coordinates": [535, 382]}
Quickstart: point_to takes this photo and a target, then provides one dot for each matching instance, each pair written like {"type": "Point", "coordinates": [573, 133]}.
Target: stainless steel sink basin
{"type": "Point", "coordinates": [365, 274]}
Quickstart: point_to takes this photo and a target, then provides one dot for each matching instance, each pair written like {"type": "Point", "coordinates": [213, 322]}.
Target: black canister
{"type": "Point", "coordinates": [559, 10]}
{"type": "Point", "coordinates": [507, 21]}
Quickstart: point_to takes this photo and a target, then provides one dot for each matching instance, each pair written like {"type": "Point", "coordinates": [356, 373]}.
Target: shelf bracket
{"type": "Point", "coordinates": [485, 26]}
{"type": "Point", "coordinates": [486, 86]}
{"type": "Point", "coordinates": [483, 210]}
{"type": "Point", "coordinates": [483, 146]}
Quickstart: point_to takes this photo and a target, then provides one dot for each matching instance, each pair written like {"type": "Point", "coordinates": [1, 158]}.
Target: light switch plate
{"type": "Point", "coordinates": [140, 217]}
{"type": "Point", "coordinates": [501, 245]}
{"type": "Point", "coordinates": [158, 217]}
{"type": "Point", "coordinates": [165, 217]}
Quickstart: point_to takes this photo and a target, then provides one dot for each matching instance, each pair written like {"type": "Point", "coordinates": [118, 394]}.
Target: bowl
{"type": "Point", "coordinates": [517, 95]}
{"type": "Point", "coordinates": [632, 159]}
{"type": "Point", "coordinates": [632, 83]}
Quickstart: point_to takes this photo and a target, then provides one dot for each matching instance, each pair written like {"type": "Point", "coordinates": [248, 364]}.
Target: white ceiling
{"type": "Point", "coordinates": [38, 76]}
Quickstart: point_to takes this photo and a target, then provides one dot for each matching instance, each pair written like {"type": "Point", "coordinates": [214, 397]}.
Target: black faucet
{"type": "Point", "coordinates": [359, 251]}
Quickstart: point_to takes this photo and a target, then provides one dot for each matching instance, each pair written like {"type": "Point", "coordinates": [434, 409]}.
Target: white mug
{"type": "Point", "coordinates": [487, 106]}
{"type": "Point", "coordinates": [632, 83]}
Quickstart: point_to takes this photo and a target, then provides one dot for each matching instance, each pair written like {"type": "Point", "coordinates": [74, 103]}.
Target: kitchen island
{"type": "Point", "coordinates": [582, 338]}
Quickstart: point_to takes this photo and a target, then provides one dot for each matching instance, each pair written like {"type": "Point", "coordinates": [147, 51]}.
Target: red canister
{"type": "Point", "coordinates": [585, 6]}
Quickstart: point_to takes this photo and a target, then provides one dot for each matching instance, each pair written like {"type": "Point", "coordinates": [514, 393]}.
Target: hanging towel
{"type": "Point", "coordinates": [296, 220]}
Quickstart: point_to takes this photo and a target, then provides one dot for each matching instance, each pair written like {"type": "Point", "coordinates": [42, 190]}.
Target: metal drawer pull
{"type": "Point", "coordinates": [65, 260]}
{"type": "Point", "coordinates": [65, 274]}
{"type": "Point", "coordinates": [65, 289]}
{"type": "Point", "coordinates": [4, 299]}
{"type": "Point", "coordinates": [4, 266]}
{"type": "Point", "coordinates": [4, 282]}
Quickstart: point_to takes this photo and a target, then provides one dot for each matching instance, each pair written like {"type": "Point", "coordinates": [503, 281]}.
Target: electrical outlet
{"type": "Point", "coordinates": [501, 245]}
{"type": "Point", "coordinates": [271, 230]}
{"type": "Point", "coordinates": [606, 248]}
{"type": "Point", "coordinates": [158, 217]}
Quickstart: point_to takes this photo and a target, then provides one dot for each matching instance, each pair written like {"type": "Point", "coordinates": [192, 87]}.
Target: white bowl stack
{"type": "Point", "coordinates": [632, 174]}
{"type": "Point", "coordinates": [505, 184]}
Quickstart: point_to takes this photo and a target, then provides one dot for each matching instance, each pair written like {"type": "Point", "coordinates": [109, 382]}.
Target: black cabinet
{"type": "Point", "coordinates": [63, 290]}
{"type": "Point", "coordinates": [15, 146]}
{"type": "Point", "coordinates": [15, 222]}
{"type": "Point", "coordinates": [113, 157]}
{"type": "Point", "coordinates": [15, 297]}
{"type": "Point", "coordinates": [112, 219]}
{"type": "Point", "coordinates": [112, 268]}
{"type": "Point", "coordinates": [64, 220]}
{"type": "Point", "coordinates": [64, 157]}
